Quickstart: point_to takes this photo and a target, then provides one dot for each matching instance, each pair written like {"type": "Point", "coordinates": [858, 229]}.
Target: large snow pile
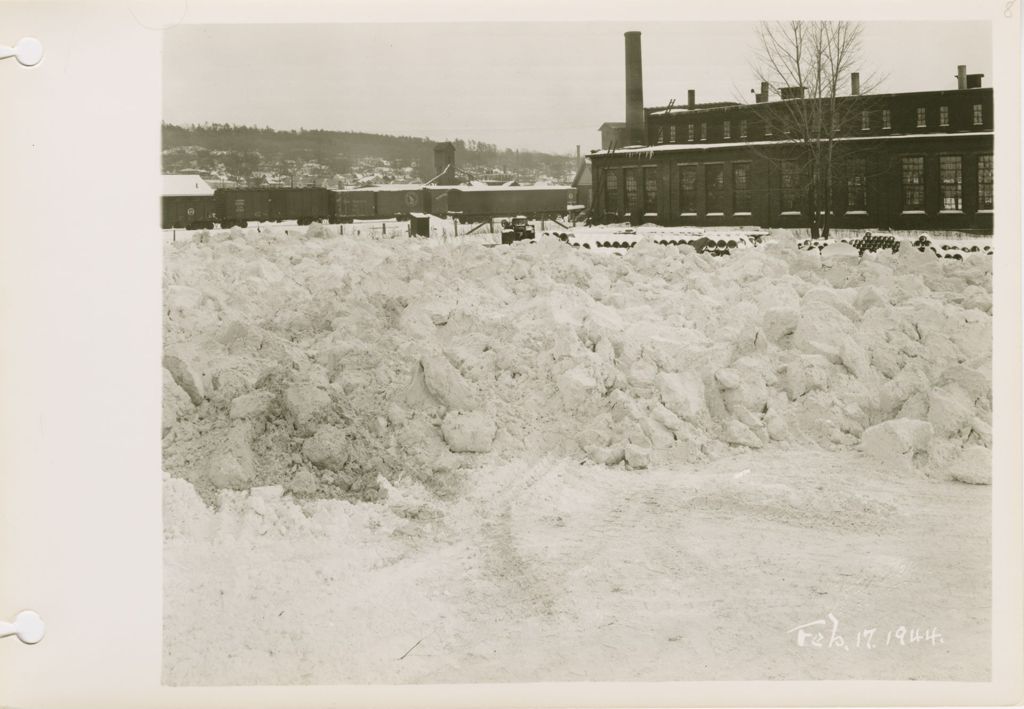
{"type": "Point", "coordinates": [321, 362]}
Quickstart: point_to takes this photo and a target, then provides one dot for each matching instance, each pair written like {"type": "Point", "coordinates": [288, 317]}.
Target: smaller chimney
{"type": "Point", "coordinates": [855, 83]}
{"type": "Point", "coordinates": [577, 153]}
{"type": "Point", "coordinates": [974, 81]}
{"type": "Point", "coordinates": [691, 98]}
{"type": "Point", "coordinates": [764, 92]}
{"type": "Point", "coordinates": [961, 76]}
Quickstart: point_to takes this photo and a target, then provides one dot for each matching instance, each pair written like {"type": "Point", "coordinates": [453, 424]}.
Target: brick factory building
{"type": "Point", "coordinates": [916, 160]}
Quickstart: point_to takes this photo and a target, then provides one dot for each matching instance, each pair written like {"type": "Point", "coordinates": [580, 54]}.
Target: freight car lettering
{"type": "Point", "coordinates": [240, 207]}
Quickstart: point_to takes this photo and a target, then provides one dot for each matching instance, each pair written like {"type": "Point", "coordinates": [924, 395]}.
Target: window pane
{"type": "Point", "coordinates": [951, 181]}
{"type": "Point", "coordinates": [672, 134]}
{"type": "Point", "coordinates": [865, 120]}
{"type": "Point", "coordinates": [741, 187]}
{"type": "Point", "coordinates": [715, 188]}
{"type": "Point", "coordinates": [790, 195]}
{"type": "Point", "coordinates": [703, 131]}
{"type": "Point", "coordinates": [886, 118]}
{"type": "Point", "coordinates": [632, 191]}
{"type": "Point", "coordinates": [726, 130]}
{"type": "Point", "coordinates": [743, 129]}
{"type": "Point", "coordinates": [977, 114]}
{"type": "Point", "coordinates": [984, 182]}
{"type": "Point", "coordinates": [856, 186]}
{"type": "Point", "coordinates": [611, 188]}
{"type": "Point", "coordinates": [913, 183]}
{"type": "Point", "coordinates": [921, 123]}
{"type": "Point", "coordinates": [944, 115]}
{"type": "Point", "coordinates": [688, 189]}
{"type": "Point", "coordinates": [689, 132]}
{"type": "Point", "coordinates": [650, 190]}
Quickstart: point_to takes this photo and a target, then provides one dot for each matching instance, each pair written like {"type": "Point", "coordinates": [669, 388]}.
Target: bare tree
{"type": "Point", "coordinates": [805, 64]}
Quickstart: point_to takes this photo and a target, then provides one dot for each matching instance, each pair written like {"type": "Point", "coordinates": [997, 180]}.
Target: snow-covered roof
{"type": "Point", "coordinates": [186, 186]}
{"type": "Point", "coordinates": [505, 188]}
{"type": "Point", "coordinates": [681, 147]}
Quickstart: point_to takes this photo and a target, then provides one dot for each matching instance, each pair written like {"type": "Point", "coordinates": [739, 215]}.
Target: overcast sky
{"type": "Point", "coordinates": [539, 86]}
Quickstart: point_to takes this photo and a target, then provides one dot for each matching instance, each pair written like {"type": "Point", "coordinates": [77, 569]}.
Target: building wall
{"type": "Point", "coordinates": [883, 189]}
{"type": "Point", "coordinates": [902, 111]}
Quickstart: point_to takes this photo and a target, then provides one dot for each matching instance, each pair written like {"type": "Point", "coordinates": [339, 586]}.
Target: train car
{"type": "Point", "coordinates": [435, 200]}
{"type": "Point", "coordinates": [303, 204]}
{"type": "Point", "coordinates": [398, 201]}
{"type": "Point", "coordinates": [239, 206]}
{"type": "Point", "coordinates": [482, 202]}
{"type": "Point", "coordinates": [187, 203]}
{"type": "Point", "coordinates": [347, 205]}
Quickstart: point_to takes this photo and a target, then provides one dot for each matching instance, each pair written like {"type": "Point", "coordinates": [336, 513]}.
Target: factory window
{"type": "Point", "coordinates": [743, 128]}
{"type": "Point", "coordinates": [767, 127]}
{"type": "Point", "coordinates": [944, 116]}
{"type": "Point", "coordinates": [703, 131]}
{"type": "Point", "coordinates": [912, 181]}
{"type": "Point", "coordinates": [671, 134]}
{"type": "Point", "coordinates": [790, 181]}
{"type": "Point", "coordinates": [922, 121]}
{"type": "Point", "coordinates": [856, 185]}
{"type": "Point", "coordinates": [689, 132]}
{"type": "Point", "coordinates": [661, 134]}
{"type": "Point", "coordinates": [714, 176]}
{"type": "Point", "coordinates": [984, 182]}
{"type": "Point", "coordinates": [886, 119]}
{"type": "Point", "coordinates": [632, 191]}
{"type": "Point", "coordinates": [951, 182]}
{"type": "Point", "coordinates": [741, 188]}
{"type": "Point", "coordinates": [611, 191]}
{"type": "Point", "coordinates": [977, 114]}
{"type": "Point", "coordinates": [688, 189]}
{"type": "Point", "coordinates": [726, 130]}
{"type": "Point", "coordinates": [865, 120]}
{"type": "Point", "coordinates": [651, 190]}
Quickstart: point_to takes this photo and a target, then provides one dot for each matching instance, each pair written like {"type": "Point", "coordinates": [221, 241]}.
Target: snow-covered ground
{"type": "Point", "coordinates": [395, 460]}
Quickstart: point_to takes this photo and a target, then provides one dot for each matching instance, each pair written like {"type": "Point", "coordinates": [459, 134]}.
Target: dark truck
{"type": "Point", "coordinates": [519, 229]}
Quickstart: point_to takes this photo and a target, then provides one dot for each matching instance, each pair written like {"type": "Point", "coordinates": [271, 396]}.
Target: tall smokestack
{"type": "Point", "coordinates": [961, 76]}
{"type": "Point", "coordinates": [577, 153]}
{"type": "Point", "coordinates": [691, 98]}
{"type": "Point", "coordinates": [855, 83]}
{"type": "Point", "coordinates": [634, 90]}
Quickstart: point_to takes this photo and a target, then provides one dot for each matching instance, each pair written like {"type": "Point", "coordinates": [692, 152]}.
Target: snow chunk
{"type": "Point", "coordinates": [232, 465]}
{"type": "Point", "coordinates": [468, 432]}
{"type": "Point", "coordinates": [445, 383]}
{"type": "Point", "coordinates": [897, 441]}
{"type": "Point", "coordinates": [305, 405]}
{"type": "Point", "coordinates": [682, 394]}
{"type": "Point", "coordinates": [186, 377]}
{"type": "Point", "coordinates": [973, 465]}
{"type": "Point", "coordinates": [328, 448]}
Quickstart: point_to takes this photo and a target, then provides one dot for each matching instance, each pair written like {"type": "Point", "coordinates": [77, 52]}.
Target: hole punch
{"type": "Point", "coordinates": [27, 50]}
{"type": "Point", "coordinates": [27, 625]}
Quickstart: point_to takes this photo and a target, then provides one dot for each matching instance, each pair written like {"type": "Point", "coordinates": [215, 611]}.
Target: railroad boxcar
{"type": "Point", "coordinates": [398, 201]}
{"type": "Point", "coordinates": [187, 203]}
{"type": "Point", "coordinates": [303, 204]}
{"type": "Point", "coordinates": [347, 205]}
{"type": "Point", "coordinates": [239, 206]}
{"type": "Point", "coordinates": [482, 202]}
{"type": "Point", "coordinates": [435, 200]}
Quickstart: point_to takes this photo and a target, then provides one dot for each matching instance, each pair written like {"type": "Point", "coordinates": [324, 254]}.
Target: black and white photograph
{"type": "Point", "coordinates": [577, 351]}
{"type": "Point", "coordinates": [511, 354]}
